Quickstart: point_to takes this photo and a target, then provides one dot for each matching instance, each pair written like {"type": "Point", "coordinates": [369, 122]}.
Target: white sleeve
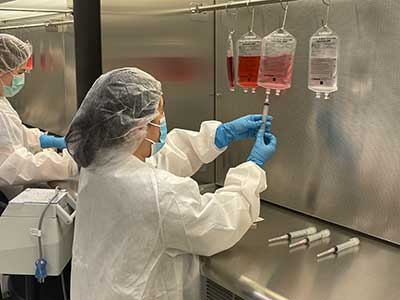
{"type": "Point", "coordinates": [33, 138]}
{"type": "Point", "coordinates": [22, 167]}
{"type": "Point", "coordinates": [18, 165]}
{"type": "Point", "coordinates": [210, 223]}
{"type": "Point", "coordinates": [186, 151]}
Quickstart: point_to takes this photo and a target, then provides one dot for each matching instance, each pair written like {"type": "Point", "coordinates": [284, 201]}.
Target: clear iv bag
{"type": "Point", "coordinates": [230, 63]}
{"type": "Point", "coordinates": [277, 59]}
{"type": "Point", "coordinates": [248, 61]}
{"type": "Point", "coordinates": [323, 60]}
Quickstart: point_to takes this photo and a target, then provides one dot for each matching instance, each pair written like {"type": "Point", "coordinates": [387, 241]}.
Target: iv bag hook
{"type": "Point", "coordinates": [253, 11]}
{"type": "Point", "coordinates": [328, 6]}
{"type": "Point", "coordinates": [285, 8]}
{"type": "Point", "coordinates": [232, 17]}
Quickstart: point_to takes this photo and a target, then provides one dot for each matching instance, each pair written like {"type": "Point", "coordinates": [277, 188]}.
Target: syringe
{"type": "Point", "coordinates": [294, 234]}
{"type": "Point", "coordinates": [311, 238]}
{"type": "Point", "coordinates": [265, 109]}
{"type": "Point", "coordinates": [341, 247]}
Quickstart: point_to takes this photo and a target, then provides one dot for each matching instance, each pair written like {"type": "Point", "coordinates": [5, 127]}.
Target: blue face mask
{"type": "Point", "coordinates": [16, 85]}
{"type": "Point", "coordinates": [156, 146]}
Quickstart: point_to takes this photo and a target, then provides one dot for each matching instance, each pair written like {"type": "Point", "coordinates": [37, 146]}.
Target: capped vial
{"type": "Point", "coordinates": [323, 62]}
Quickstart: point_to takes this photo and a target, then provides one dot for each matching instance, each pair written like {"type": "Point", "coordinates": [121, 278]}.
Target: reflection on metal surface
{"type": "Point", "coordinates": [258, 292]}
{"type": "Point", "coordinates": [337, 159]}
{"type": "Point", "coordinates": [367, 273]}
{"type": "Point", "coordinates": [177, 50]}
{"type": "Point", "coordinates": [48, 100]}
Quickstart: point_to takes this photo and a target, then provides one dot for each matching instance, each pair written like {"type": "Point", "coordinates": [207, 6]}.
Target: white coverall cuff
{"type": "Point", "coordinates": [214, 151]}
{"type": "Point", "coordinates": [258, 167]}
{"type": "Point", "coordinates": [33, 139]}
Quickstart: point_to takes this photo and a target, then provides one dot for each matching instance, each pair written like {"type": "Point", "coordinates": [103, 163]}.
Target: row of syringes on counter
{"type": "Point", "coordinates": [268, 62]}
{"type": "Point", "coordinates": [309, 235]}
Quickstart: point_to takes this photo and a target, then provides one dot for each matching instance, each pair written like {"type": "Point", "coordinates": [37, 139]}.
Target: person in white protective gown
{"type": "Point", "coordinates": [141, 221]}
{"type": "Point", "coordinates": [22, 159]}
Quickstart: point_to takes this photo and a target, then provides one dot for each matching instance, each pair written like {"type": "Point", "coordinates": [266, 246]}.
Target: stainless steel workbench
{"type": "Point", "coordinates": [255, 270]}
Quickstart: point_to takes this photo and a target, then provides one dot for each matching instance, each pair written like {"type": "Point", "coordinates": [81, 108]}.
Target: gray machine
{"type": "Point", "coordinates": [21, 235]}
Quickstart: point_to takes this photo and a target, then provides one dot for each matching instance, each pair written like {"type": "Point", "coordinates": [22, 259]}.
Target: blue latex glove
{"type": "Point", "coordinates": [263, 149]}
{"type": "Point", "coordinates": [49, 141]}
{"type": "Point", "coordinates": [242, 128]}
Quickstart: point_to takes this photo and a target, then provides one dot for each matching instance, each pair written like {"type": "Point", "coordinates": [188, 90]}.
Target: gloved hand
{"type": "Point", "coordinates": [263, 149]}
{"type": "Point", "coordinates": [242, 128]}
{"type": "Point", "coordinates": [49, 141]}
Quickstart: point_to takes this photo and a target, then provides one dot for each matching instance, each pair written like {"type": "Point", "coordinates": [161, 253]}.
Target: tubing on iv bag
{"type": "Point", "coordinates": [277, 58]}
{"type": "Point", "coordinates": [323, 60]}
{"type": "Point", "coordinates": [248, 61]}
{"type": "Point", "coordinates": [230, 63]}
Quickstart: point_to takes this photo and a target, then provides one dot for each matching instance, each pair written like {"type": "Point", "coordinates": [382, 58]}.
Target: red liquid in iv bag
{"type": "Point", "coordinates": [248, 58]}
{"type": "Point", "coordinates": [276, 72]}
{"type": "Point", "coordinates": [278, 50]}
{"type": "Point", "coordinates": [231, 72]}
{"type": "Point", "coordinates": [248, 71]}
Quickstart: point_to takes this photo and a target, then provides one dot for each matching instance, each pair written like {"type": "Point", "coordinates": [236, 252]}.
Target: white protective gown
{"type": "Point", "coordinates": [22, 161]}
{"type": "Point", "coordinates": [140, 229]}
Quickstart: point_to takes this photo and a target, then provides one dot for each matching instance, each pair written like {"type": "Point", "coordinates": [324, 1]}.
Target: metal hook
{"type": "Point", "coordinates": [231, 16]}
{"type": "Point", "coordinates": [328, 6]}
{"type": "Point", "coordinates": [287, 5]}
{"type": "Point", "coordinates": [285, 8]}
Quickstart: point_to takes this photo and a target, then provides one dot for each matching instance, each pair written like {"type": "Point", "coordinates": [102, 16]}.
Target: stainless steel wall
{"type": "Point", "coordinates": [48, 100]}
{"type": "Point", "coordinates": [339, 159]}
{"type": "Point", "coordinates": [176, 49]}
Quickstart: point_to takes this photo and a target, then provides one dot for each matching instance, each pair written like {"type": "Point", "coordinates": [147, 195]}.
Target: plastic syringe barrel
{"type": "Point", "coordinates": [301, 233]}
{"type": "Point", "coordinates": [351, 243]}
{"type": "Point", "coordinates": [265, 115]}
{"type": "Point", "coordinates": [320, 235]}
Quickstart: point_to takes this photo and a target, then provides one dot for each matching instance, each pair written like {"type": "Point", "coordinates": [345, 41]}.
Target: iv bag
{"type": "Point", "coordinates": [322, 70]}
{"type": "Point", "coordinates": [277, 58]}
{"type": "Point", "coordinates": [230, 63]}
{"type": "Point", "coordinates": [248, 57]}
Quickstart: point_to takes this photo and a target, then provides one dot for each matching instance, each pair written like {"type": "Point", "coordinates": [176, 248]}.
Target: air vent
{"type": "Point", "coordinates": [213, 291]}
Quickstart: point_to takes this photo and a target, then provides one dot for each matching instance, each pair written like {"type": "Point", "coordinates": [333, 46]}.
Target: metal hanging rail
{"type": "Point", "coordinates": [43, 10]}
{"type": "Point", "coordinates": [35, 16]}
{"type": "Point", "coordinates": [238, 4]}
{"type": "Point", "coordinates": [47, 24]}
